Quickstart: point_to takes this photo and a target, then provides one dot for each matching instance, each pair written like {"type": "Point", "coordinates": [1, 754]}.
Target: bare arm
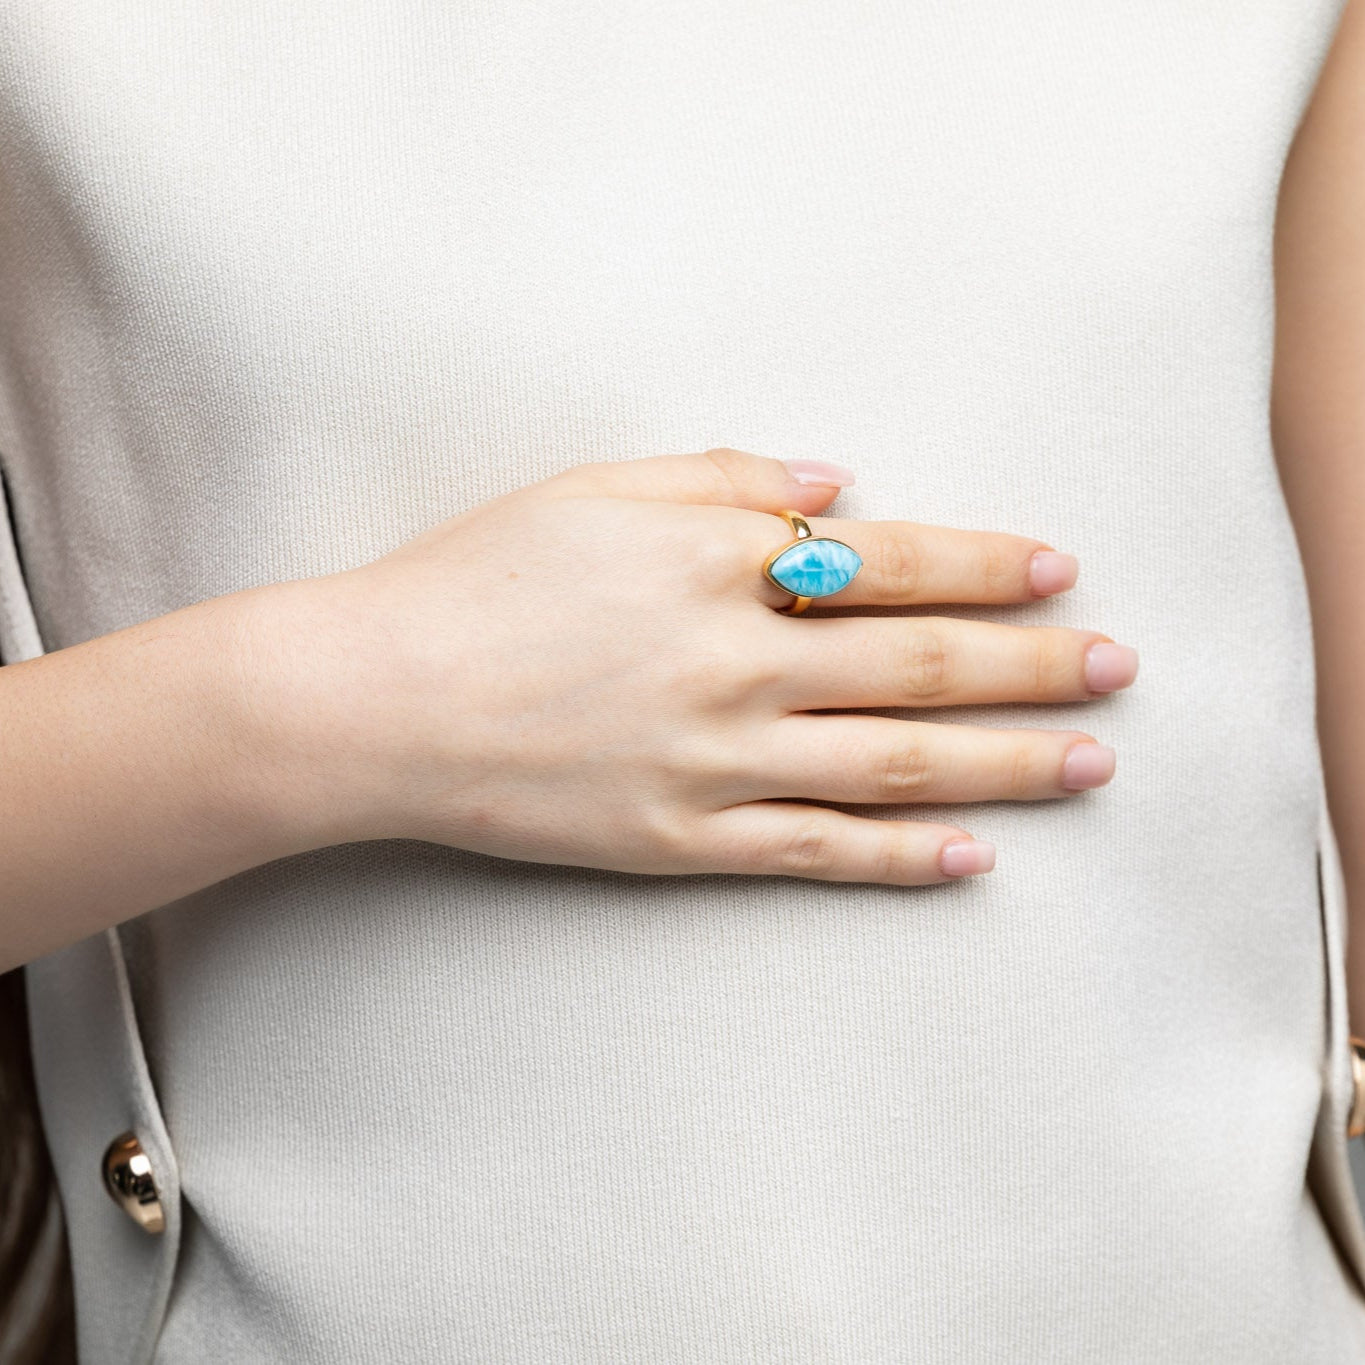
{"type": "Point", "coordinates": [134, 769]}
{"type": "Point", "coordinates": [1318, 423]}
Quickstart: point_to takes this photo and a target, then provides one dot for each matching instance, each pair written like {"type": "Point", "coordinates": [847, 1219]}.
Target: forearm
{"type": "Point", "coordinates": [1341, 725]}
{"type": "Point", "coordinates": [1334, 562]}
{"type": "Point", "coordinates": [138, 767]}
{"type": "Point", "coordinates": [1318, 419]}
{"type": "Point", "coordinates": [1328, 497]}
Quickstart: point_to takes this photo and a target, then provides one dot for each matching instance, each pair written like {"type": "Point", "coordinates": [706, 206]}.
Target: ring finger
{"type": "Point", "coordinates": [908, 563]}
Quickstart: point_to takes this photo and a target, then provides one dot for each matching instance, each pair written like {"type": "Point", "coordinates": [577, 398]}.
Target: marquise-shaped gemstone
{"type": "Point", "coordinates": [815, 566]}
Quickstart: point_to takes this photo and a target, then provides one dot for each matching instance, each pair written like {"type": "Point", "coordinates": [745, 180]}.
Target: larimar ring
{"type": "Point", "coordinates": [810, 566]}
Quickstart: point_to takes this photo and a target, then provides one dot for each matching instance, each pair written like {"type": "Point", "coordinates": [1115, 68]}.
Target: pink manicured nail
{"type": "Point", "coordinates": [820, 472]}
{"type": "Point", "coordinates": [1051, 571]}
{"type": "Point", "coordinates": [966, 857]}
{"type": "Point", "coordinates": [1087, 765]}
{"type": "Point", "coordinates": [1109, 667]}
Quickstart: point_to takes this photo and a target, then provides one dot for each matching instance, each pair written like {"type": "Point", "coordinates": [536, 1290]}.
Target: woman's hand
{"type": "Point", "coordinates": [590, 670]}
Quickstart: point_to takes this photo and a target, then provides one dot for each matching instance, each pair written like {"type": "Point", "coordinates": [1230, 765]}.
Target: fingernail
{"type": "Point", "coordinates": [966, 857]}
{"type": "Point", "coordinates": [1087, 765]}
{"type": "Point", "coordinates": [820, 472]}
{"type": "Point", "coordinates": [1109, 667]}
{"type": "Point", "coordinates": [1051, 571]}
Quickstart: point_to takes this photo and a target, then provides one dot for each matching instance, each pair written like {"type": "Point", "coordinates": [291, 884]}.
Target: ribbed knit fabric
{"type": "Point", "coordinates": [282, 284]}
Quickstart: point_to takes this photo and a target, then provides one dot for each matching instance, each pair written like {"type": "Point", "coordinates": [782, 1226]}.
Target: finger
{"type": "Point", "coordinates": [879, 759]}
{"type": "Point", "coordinates": [908, 563]}
{"type": "Point", "coordinates": [732, 478]}
{"type": "Point", "coordinates": [788, 838]}
{"type": "Point", "coordinates": [850, 661]}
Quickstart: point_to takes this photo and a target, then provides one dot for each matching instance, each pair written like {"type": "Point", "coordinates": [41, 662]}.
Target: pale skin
{"type": "Point", "coordinates": [638, 721]}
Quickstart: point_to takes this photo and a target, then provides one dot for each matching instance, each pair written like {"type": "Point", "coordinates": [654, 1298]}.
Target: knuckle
{"type": "Point", "coordinates": [907, 771]}
{"type": "Point", "coordinates": [717, 679]}
{"type": "Point", "coordinates": [1053, 665]}
{"type": "Point", "coordinates": [888, 861]}
{"type": "Point", "coordinates": [708, 842]}
{"type": "Point", "coordinates": [728, 468]}
{"type": "Point", "coordinates": [899, 563]}
{"type": "Point", "coordinates": [704, 769]}
{"type": "Point", "coordinates": [706, 564]}
{"type": "Point", "coordinates": [1000, 569]}
{"type": "Point", "coordinates": [1021, 778]}
{"type": "Point", "coordinates": [808, 849]}
{"type": "Point", "coordinates": [674, 840]}
{"type": "Point", "coordinates": [926, 668]}
{"type": "Point", "coordinates": [585, 467]}
{"type": "Point", "coordinates": [576, 478]}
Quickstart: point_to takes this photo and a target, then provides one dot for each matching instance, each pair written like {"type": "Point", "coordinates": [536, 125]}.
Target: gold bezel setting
{"type": "Point", "coordinates": [802, 534]}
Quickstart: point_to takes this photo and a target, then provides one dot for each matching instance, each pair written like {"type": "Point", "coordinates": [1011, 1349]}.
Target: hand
{"type": "Point", "coordinates": [590, 670]}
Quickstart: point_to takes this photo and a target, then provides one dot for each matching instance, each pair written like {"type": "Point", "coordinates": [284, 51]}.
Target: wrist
{"type": "Point", "coordinates": [312, 694]}
{"type": "Point", "coordinates": [294, 774]}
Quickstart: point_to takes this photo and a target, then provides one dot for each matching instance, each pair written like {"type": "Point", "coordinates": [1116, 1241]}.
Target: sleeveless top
{"type": "Point", "coordinates": [285, 284]}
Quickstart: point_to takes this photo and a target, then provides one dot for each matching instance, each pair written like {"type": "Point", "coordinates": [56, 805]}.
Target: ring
{"type": "Point", "coordinates": [810, 566]}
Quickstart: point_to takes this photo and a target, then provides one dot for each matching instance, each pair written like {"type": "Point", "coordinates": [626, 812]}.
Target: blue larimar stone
{"type": "Point", "coordinates": [815, 567]}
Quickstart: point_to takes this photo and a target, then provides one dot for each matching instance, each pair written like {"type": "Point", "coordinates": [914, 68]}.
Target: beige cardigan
{"type": "Point", "coordinates": [282, 284]}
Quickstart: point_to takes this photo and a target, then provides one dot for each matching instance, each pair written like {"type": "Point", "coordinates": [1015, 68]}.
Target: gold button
{"type": "Point", "coordinates": [128, 1178]}
{"type": "Point", "coordinates": [1355, 1125]}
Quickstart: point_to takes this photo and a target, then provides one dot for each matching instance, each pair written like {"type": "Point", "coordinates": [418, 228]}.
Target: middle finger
{"type": "Point", "coordinates": [852, 661]}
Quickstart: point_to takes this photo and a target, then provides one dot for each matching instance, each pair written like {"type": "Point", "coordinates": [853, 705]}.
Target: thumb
{"type": "Point", "coordinates": [729, 478]}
